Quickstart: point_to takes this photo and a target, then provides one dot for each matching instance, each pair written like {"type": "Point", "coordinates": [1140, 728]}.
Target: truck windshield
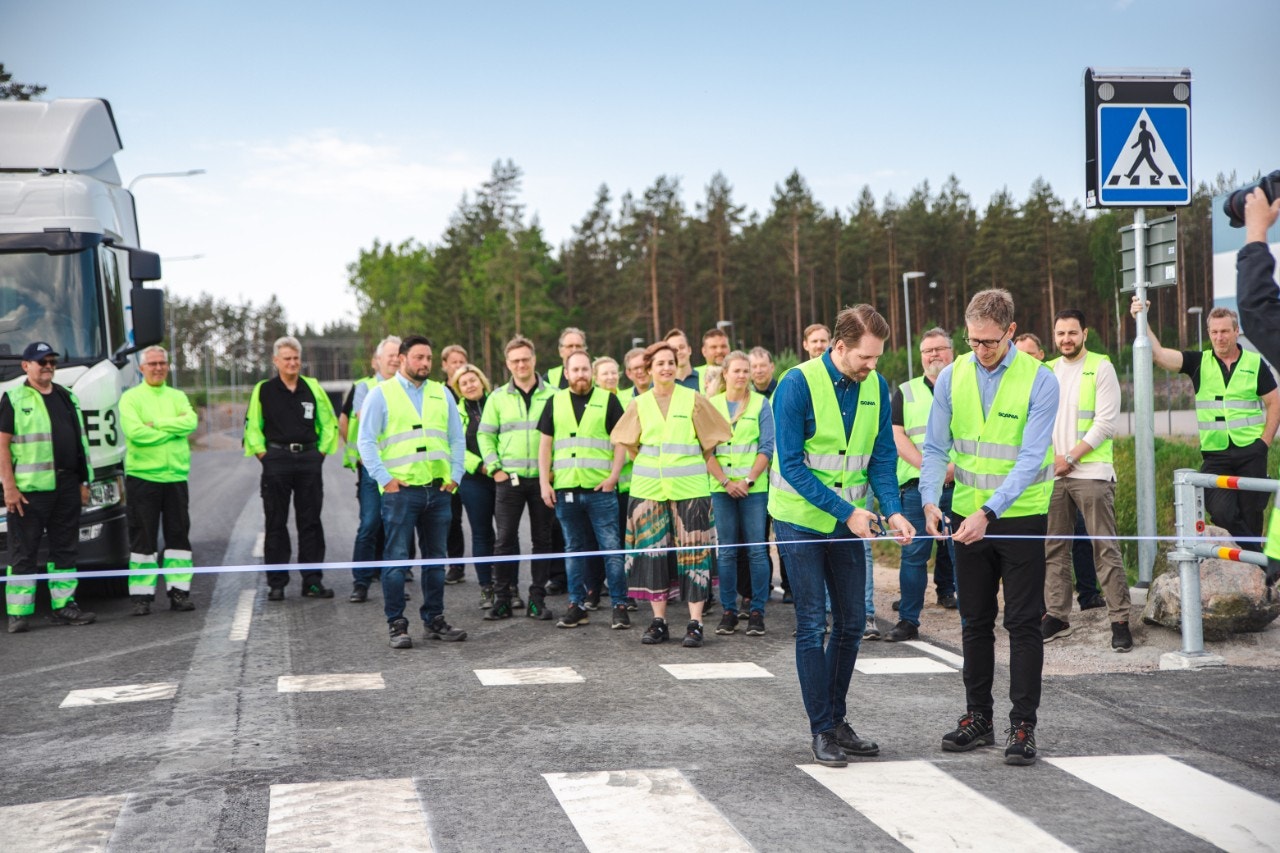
{"type": "Point", "coordinates": [53, 297]}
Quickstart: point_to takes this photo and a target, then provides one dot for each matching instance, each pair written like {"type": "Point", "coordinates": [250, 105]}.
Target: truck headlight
{"type": "Point", "coordinates": [104, 493]}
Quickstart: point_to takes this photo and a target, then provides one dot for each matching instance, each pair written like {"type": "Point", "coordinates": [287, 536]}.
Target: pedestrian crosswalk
{"type": "Point", "coordinates": [918, 805]}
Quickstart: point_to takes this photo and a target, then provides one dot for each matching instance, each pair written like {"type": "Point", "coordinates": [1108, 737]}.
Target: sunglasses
{"type": "Point", "coordinates": [48, 362]}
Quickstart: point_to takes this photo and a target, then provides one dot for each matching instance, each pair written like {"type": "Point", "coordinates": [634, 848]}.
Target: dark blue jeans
{"type": "Point", "coordinates": [740, 521]}
{"type": "Point", "coordinates": [582, 514]}
{"type": "Point", "coordinates": [819, 565]}
{"type": "Point", "coordinates": [913, 575]}
{"type": "Point", "coordinates": [366, 548]}
{"type": "Point", "coordinates": [477, 493]}
{"type": "Point", "coordinates": [426, 510]}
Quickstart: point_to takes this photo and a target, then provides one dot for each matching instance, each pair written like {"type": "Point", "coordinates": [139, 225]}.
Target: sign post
{"type": "Point", "coordinates": [1138, 154]}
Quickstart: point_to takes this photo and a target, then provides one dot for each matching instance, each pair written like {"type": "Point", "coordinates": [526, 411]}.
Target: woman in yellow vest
{"type": "Point", "coordinates": [477, 490]}
{"type": "Point", "coordinates": [671, 433]}
{"type": "Point", "coordinates": [741, 498]}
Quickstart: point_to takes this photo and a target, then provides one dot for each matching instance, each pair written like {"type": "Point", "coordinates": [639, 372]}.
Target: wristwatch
{"type": "Point", "coordinates": [1071, 460]}
{"type": "Point", "coordinates": [989, 513]}
{"type": "Point", "coordinates": [750, 482]}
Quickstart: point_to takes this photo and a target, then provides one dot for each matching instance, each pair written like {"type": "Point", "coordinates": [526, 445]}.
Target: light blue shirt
{"type": "Point", "coordinates": [373, 422]}
{"type": "Point", "coordinates": [1036, 437]}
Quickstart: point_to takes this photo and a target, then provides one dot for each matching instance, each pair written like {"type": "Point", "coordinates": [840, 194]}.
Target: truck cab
{"type": "Point", "coordinates": [72, 274]}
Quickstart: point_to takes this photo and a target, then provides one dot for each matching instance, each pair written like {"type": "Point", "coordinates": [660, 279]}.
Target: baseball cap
{"type": "Point", "coordinates": [37, 351]}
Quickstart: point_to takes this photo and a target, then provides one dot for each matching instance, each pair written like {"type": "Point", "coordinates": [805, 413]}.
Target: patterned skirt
{"type": "Point", "coordinates": [656, 575]}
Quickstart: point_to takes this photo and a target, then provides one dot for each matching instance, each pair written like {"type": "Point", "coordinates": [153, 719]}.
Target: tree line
{"type": "Point", "coordinates": [641, 264]}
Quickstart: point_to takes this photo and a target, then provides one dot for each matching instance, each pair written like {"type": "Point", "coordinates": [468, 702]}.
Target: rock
{"type": "Point", "coordinates": [1234, 596]}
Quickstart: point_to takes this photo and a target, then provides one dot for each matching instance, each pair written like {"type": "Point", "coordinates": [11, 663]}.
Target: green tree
{"type": "Point", "coordinates": [13, 91]}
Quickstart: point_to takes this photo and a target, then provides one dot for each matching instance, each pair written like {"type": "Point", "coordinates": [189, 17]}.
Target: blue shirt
{"type": "Point", "coordinates": [1036, 437]}
{"type": "Point", "coordinates": [373, 422]}
{"type": "Point", "coordinates": [765, 444]}
{"type": "Point", "coordinates": [793, 407]}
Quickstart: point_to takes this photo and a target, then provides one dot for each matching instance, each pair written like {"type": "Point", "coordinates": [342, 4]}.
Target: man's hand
{"type": "Point", "coordinates": [84, 494]}
{"type": "Point", "coordinates": [393, 487]}
{"type": "Point", "coordinates": [609, 484]}
{"type": "Point", "coordinates": [906, 530]}
{"type": "Point", "coordinates": [548, 495]}
{"type": "Point", "coordinates": [933, 520]}
{"type": "Point", "coordinates": [501, 476]}
{"type": "Point", "coordinates": [1060, 466]}
{"type": "Point", "coordinates": [14, 499]}
{"type": "Point", "coordinates": [737, 489]}
{"type": "Point", "coordinates": [860, 522]}
{"type": "Point", "coordinates": [972, 529]}
{"type": "Point", "coordinates": [1136, 307]}
{"type": "Point", "coordinates": [262, 454]}
{"type": "Point", "coordinates": [951, 474]}
{"type": "Point", "coordinates": [450, 487]}
{"type": "Point", "coordinates": [1259, 216]}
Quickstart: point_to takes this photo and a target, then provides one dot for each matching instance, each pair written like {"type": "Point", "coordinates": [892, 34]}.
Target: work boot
{"type": "Point", "coordinates": [318, 590]}
{"type": "Point", "coordinates": [455, 574]}
{"type": "Point", "coordinates": [399, 630]}
{"type": "Point", "coordinates": [71, 614]}
{"type": "Point", "coordinates": [359, 594]}
{"type": "Point", "coordinates": [141, 605]}
{"type": "Point", "coordinates": [438, 629]}
{"type": "Point", "coordinates": [180, 599]}
{"type": "Point", "coordinates": [19, 625]}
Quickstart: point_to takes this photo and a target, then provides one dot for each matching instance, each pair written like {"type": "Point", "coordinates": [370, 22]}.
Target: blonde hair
{"type": "Point", "coordinates": [469, 368]}
{"type": "Point", "coordinates": [712, 380]}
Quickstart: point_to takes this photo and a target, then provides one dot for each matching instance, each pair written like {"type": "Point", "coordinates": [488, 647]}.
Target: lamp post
{"type": "Point", "coordinates": [724, 326]}
{"type": "Point", "coordinates": [187, 174]}
{"type": "Point", "coordinates": [1196, 311]}
{"type": "Point", "coordinates": [906, 304]}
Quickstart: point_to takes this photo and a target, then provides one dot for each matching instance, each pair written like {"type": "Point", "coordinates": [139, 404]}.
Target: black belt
{"type": "Point", "coordinates": [294, 447]}
{"type": "Point", "coordinates": [434, 484]}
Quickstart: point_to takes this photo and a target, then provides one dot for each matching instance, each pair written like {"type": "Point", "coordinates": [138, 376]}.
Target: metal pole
{"type": "Point", "coordinates": [1187, 500]}
{"type": "Point", "coordinates": [906, 303]}
{"type": "Point", "coordinates": [1144, 409]}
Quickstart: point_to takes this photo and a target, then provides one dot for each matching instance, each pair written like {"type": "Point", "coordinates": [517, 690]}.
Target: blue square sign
{"type": "Point", "coordinates": [1144, 154]}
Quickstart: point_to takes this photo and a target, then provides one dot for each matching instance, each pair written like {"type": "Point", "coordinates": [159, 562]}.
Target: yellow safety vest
{"type": "Point", "coordinates": [415, 447]}
{"type": "Point", "coordinates": [1229, 413]}
{"type": "Point", "coordinates": [738, 456]}
{"type": "Point", "coordinates": [670, 465]}
{"type": "Point", "coordinates": [1088, 406]}
{"type": "Point", "coordinates": [581, 453]}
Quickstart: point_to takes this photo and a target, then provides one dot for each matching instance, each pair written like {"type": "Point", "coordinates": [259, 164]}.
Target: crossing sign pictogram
{"type": "Point", "coordinates": [1138, 139]}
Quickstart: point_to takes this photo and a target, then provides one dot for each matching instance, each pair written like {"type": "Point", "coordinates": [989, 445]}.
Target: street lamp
{"type": "Point", "coordinates": [724, 326]}
{"type": "Point", "coordinates": [906, 303]}
{"type": "Point", "coordinates": [187, 174]}
{"type": "Point", "coordinates": [1196, 310]}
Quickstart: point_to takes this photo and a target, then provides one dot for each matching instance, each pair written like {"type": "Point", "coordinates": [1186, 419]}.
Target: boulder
{"type": "Point", "coordinates": [1234, 596]}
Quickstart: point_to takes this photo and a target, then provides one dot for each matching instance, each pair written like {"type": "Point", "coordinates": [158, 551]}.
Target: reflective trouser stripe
{"type": "Point", "coordinates": [174, 562]}
{"type": "Point", "coordinates": [142, 584]}
{"type": "Point", "coordinates": [62, 591]}
{"type": "Point", "coordinates": [19, 597]}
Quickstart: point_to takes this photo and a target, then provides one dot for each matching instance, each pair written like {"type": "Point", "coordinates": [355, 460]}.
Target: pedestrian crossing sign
{"type": "Point", "coordinates": [1144, 154]}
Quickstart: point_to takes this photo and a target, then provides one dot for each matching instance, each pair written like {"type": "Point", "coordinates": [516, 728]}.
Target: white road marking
{"type": "Point", "coordinates": [1223, 814]}
{"type": "Point", "coordinates": [941, 654]}
{"type": "Point", "coordinates": [529, 675]}
{"type": "Point", "coordinates": [956, 817]}
{"type": "Point", "coordinates": [80, 824]}
{"type": "Point", "coordinates": [607, 807]}
{"type": "Point", "coordinates": [697, 671]}
{"type": "Point", "coordinates": [899, 666]}
{"type": "Point", "coordinates": [327, 683]}
{"type": "Point", "coordinates": [243, 616]}
{"type": "Point", "coordinates": [377, 815]}
{"type": "Point", "coordinates": [120, 693]}
{"type": "Point", "coordinates": [260, 545]}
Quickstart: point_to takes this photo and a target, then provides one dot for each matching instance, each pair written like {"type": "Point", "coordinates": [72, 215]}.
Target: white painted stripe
{"type": "Point", "coordinates": [120, 693]}
{"type": "Point", "coordinates": [939, 653]}
{"type": "Point", "coordinates": [260, 545]}
{"type": "Point", "coordinates": [377, 815]}
{"type": "Point", "coordinates": [608, 807]}
{"type": "Point", "coordinates": [529, 675]}
{"type": "Point", "coordinates": [899, 666]}
{"type": "Point", "coordinates": [243, 616]}
{"type": "Point", "coordinates": [81, 824]}
{"type": "Point", "coordinates": [1223, 814]}
{"type": "Point", "coordinates": [696, 671]}
{"type": "Point", "coordinates": [327, 683]}
{"type": "Point", "coordinates": [956, 817]}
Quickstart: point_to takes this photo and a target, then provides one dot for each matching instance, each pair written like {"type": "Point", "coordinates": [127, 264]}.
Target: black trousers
{"type": "Point", "coordinates": [510, 502]}
{"type": "Point", "coordinates": [296, 476]}
{"type": "Point", "coordinates": [456, 545]}
{"type": "Point", "coordinates": [157, 506]}
{"type": "Point", "coordinates": [1239, 512]}
{"type": "Point", "coordinates": [56, 513]}
{"type": "Point", "coordinates": [980, 569]}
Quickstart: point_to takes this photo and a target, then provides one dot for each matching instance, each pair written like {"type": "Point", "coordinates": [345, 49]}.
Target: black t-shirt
{"type": "Point", "coordinates": [288, 417]}
{"type": "Point", "coordinates": [348, 402]}
{"type": "Point", "coordinates": [68, 453]}
{"type": "Point", "coordinates": [1191, 367]}
{"type": "Point", "coordinates": [474, 409]}
{"type": "Point", "coordinates": [895, 405]}
{"type": "Point", "coordinates": [612, 412]}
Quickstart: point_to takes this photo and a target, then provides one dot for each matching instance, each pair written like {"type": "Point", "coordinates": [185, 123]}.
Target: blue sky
{"type": "Point", "coordinates": [324, 126]}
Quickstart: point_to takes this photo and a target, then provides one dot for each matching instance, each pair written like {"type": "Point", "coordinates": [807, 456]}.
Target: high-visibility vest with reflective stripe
{"type": "Point", "coordinates": [415, 447]}
{"type": "Point", "coordinates": [554, 375]}
{"type": "Point", "coordinates": [738, 456]}
{"type": "Point", "coordinates": [917, 399]}
{"type": "Point", "coordinates": [508, 437]}
{"type": "Point", "coordinates": [670, 465]}
{"type": "Point", "coordinates": [1088, 405]}
{"type": "Point", "coordinates": [1272, 548]}
{"type": "Point", "coordinates": [32, 443]}
{"type": "Point", "coordinates": [1229, 413]}
{"type": "Point", "coordinates": [625, 396]}
{"type": "Point", "coordinates": [351, 453]}
{"type": "Point", "coordinates": [581, 453]}
{"type": "Point", "coordinates": [838, 462]}
{"type": "Point", "coordinates": [986, 449]}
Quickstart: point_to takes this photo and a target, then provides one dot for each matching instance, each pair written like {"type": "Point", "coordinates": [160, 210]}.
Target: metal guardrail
{"type": "Point", "coordinates": [1189, 526]}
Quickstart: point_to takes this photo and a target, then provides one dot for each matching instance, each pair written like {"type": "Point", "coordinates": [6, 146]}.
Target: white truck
{"type": "Point", "coordinates": [71, 274]}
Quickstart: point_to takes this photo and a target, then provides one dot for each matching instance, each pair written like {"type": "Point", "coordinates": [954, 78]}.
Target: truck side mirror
{"type": "Point", "coordinates": [147, 308]}
{"type": "Point", "coordinates": [143, 266]}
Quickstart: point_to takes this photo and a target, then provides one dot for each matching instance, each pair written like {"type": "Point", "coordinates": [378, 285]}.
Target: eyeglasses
{"type": "Point", "coordinates": [155, 364]}
{"type": "Point", "coordinates": [48, 362]}
{"type": "Point", "coordinates": [934, 350]}
{"type": "Point", "coordinates": [974, 343]}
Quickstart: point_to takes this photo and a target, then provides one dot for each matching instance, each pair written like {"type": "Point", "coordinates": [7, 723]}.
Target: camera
{"type": "Point", "coordinates": [1233, 207]}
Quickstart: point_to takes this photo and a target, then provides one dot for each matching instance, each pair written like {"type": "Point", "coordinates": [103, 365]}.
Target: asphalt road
{"type": "Point", "coordinates": [621, 756]}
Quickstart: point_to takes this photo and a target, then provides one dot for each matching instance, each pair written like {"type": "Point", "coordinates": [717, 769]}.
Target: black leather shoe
{"type": "Point", "coordinates": [904, 630]}
{"type": "Point", "coordinates": [359, 593]}
{"type": "Point", "coordinates": [316, 590]}
{"type": "Point", "coordinates": [948, 600]}
{"type": "Point", "coordinates": [276, 593]}
{"type": "Point", "coordinates": [827, 752]}
{"type": "Point", "coordinates": [847, 739]}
